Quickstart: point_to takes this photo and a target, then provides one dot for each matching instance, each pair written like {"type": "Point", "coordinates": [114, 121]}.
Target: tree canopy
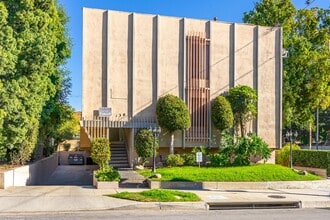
{"type": "Point", "coordinates": [172, 114]}
{"type": "Point", "coordinates": [33, 49]}
{"type": "Point", "coordinates": [222, 114]}
{"type": "Point", "coordinates": [243, 100]}
{"type": "Point", "coordinates": [306, 78]}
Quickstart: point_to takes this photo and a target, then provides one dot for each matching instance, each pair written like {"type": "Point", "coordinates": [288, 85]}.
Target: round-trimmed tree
{"type": "Point", "coordinates": [243, 100]}
{"type": "Point", "coordinates": [144, 144]}
{"type": "Point", "coordinates": [172, 114]}
{"type": "Point", "coordinates": [222, 114]}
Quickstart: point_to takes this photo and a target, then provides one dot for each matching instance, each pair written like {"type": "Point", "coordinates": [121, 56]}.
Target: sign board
{"type": "Point", "coordinates": [199, 157]}
{"type": "Point", "coordinates": [105, 112]}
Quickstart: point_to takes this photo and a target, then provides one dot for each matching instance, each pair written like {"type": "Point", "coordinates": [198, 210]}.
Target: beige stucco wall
{"type": "Point", "coordinates": [169, 54]}
{"type": "Point", "coordinates": [220, 58]}
{"type": "Point", "coordinates": [118, 64]}
{"type": "Point", "coordinates": [93, 40]}
{"type": "Point", "coordinates": [244, 44]}
{"type": "Point", "coordinates": [145, 59]}
{"type": "Point", "coordinates": [268, 85]}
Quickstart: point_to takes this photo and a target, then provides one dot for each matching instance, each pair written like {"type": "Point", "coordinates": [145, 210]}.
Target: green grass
{"type": "Point", "coordinates": [253, 173]}
{"type": "Point", "coordinates": [158, 195]}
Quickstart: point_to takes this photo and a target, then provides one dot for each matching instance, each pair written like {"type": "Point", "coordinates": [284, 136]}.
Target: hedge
{"type": "Point", "coordinates": [312, 158]}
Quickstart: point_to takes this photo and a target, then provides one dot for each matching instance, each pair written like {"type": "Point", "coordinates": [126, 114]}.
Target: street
{"type": "Point", "coordinates": [269, 214]}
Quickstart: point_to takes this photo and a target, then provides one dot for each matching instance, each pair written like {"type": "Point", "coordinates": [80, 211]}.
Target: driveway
{"type": "Point", "coordinates": [79, 175]}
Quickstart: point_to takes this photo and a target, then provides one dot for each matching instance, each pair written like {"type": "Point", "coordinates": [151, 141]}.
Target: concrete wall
{"type": "Point", "coordinates": [142, 57]}
{"type": "Point", "coordinates": [32, 174]}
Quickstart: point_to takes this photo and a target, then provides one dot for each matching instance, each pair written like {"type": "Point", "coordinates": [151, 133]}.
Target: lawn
{"type": "Point", "coordinates": [253, 173]}
{"type": "Point", "coordinates": [158, 195]}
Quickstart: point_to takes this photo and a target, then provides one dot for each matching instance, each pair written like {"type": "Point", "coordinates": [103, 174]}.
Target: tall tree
{"type": "Point", "coordinates": [306, 78]}
{"type": "Point", "coordinates": [172, 115]}
{"type": "Point", "coordinates": [8, 56]}
{"type": "Point", "coordinates": [243, 100]}
{"type": "Point", "coordinates": [39, 51]}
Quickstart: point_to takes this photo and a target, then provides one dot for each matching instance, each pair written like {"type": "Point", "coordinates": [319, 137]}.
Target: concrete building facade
{"type": "Point", "coordinates": [130, 60]}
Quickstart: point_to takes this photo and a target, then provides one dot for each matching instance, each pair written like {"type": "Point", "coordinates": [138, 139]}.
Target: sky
{"type": "Point", "coordinates": [224, 10]}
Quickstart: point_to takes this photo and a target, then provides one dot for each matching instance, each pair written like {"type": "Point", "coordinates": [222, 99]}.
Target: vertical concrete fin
{"type": "Point", "coordinates": [155, 57]}
{"type": "Point", "coordinates": [130, 57]}
{"type": "Point", "coordinates": [232, 56]}
{"type": "Point", "coordinates": [183, 47]}
{"type": "Point", "coordinates": [279, 86]}
{"type": "Point", "coordinates": [256, 71]}
{"type": "Point", "coordinates": [105, 34]}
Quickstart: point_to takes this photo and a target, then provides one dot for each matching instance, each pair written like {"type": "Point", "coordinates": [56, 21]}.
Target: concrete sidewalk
{"type": "Point", "coordinates": [87, 198]}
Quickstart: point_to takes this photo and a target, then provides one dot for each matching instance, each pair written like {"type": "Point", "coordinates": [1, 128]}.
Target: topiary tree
{"type": "Point", "coordinates": [172, 114]}
{"type": "Point", "coordinates": [100, 152]}
{"type": "Point", "coordinates": [144, 144]}
{"type": "Point", "coordinates": [243, 100]}
{"type": "Point", "coordinates": [221, 114]}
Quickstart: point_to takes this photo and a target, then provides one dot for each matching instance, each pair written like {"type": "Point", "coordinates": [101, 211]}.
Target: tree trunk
{"type": "Point", "coordinates": [172, 144]}
{"type": "Point", "coordinates": [242, 128]}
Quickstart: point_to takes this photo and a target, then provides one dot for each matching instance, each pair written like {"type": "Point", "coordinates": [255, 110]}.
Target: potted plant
{"type": "Point", "coordinates": [106, 176]}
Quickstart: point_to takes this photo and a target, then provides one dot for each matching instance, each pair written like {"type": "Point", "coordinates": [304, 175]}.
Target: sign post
{"type": "Point", "coordinates": [199, 158]}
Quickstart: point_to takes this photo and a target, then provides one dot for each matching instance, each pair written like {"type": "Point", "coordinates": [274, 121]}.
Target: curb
{"type": "Point", "coordinates": [164, 206]}
{"type": "Point", "coordinates": [315, 184]}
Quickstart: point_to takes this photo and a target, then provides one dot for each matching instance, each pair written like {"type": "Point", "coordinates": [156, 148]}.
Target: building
{"type": "Point", "coordinates": [130, 60]}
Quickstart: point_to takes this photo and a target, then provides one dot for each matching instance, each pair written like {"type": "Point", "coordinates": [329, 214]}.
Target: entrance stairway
{"type": "Point", "coordinates": [119, 157]}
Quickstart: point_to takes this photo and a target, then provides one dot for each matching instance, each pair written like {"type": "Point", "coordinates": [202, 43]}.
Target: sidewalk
{"type": "Point", "coordinates": [87, 198]}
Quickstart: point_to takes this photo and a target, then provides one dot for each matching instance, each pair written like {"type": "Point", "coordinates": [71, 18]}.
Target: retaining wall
{"type": "Point", "coordinates": [32, 174]}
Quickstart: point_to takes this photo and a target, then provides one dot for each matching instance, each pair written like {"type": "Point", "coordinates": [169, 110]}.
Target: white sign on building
{"type": "Point", "coordinates": [105, 112]}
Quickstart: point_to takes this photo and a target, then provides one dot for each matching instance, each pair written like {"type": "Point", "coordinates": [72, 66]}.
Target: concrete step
{"type": "Point", "coordinates": [117, 165]}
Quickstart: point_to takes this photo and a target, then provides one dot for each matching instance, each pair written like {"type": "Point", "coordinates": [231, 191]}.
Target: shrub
{"type": "Point", "coordinates": [107, 173]}
{"type": "Point", "coordinates": [66, 146]}
{"type": "Point", "coordinates": [240, 153]}
{"type": "Point", "coordinates": [189, 159]}
{"type": "Point", "coordinates": [312, 158]}
{"type": "Point", "coordinates": [144, 144]}
{"type": "Point", "coordinates": [283, 155]}
{"type": "Point", "coordinates": [174, 160]}
{"type": "Point", "coordinates": [100, 152]}
{"type": "Point", "coordinates": [218, 160]}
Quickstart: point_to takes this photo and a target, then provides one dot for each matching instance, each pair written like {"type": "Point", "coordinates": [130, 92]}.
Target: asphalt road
{"type": "Point", "coordinates": [269, 214]}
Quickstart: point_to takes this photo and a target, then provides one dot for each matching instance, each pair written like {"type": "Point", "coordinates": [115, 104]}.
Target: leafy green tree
{"type": "Point", "coordinates": [100, 152]}
{"type": "Point", "coordinates": [172, 114]}
{"type": "Point", "coordinates": [33, 48]}
{"type": "Point", "coordinates": [306, 78]}
{"type": "Point", "coordinates": [222, 114]}
{"type": "Point", "coordinates": [144, 142]}
{"type": "Point", "coordinates": [58, 120]}
{"type": "Point", "coordinates": [243, 100]}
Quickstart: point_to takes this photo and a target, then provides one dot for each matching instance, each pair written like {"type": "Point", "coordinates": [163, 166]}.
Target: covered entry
{"type": "Point", "coordinates": [120, 131]}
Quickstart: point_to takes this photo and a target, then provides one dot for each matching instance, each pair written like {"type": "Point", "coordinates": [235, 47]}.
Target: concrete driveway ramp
{"type": "Point", "coordinates": [79, 175]}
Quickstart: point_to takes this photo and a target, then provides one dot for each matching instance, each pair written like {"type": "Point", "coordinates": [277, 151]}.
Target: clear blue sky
{"type": "Point", "coordinates": [224, 10]}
